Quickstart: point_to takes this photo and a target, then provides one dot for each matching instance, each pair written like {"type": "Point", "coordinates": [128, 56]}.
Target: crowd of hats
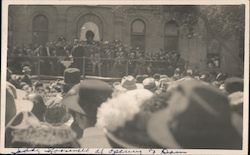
{"type": "Point", "coordinates": [185, 110]}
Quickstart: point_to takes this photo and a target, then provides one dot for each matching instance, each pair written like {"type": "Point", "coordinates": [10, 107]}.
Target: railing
{"type": "Point", "coordinates": [105, 67]}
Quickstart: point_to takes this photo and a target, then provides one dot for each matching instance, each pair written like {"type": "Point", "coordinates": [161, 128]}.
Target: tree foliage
{"type": "Point", "coordinates": [221, 20]}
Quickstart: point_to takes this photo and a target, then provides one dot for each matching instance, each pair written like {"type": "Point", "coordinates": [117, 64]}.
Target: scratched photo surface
{"type": "Point", "coordinates": [124, 76]}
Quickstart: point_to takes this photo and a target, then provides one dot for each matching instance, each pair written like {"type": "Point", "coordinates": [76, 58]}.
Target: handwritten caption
{"type": "Point", "coordinates": [98, 151]}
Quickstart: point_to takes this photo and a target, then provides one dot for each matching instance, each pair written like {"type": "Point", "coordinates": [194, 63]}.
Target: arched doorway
{"type": "Point", "coordinates": [89, 26]}
{"type": "Point", "coordinates": [90, 22]}
{"type": "Point", "coordinates": [40, 26]}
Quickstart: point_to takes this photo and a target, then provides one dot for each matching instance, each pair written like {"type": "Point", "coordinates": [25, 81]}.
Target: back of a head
{"type": "Point", "coordinates": [90, 35]}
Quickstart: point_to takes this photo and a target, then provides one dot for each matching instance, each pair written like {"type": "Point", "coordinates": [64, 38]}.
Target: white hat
{"type": "Point", "coordinates": [128, 83]}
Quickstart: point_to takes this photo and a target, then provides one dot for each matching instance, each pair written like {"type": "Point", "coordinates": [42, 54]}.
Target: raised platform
{"type": "Point", "coordinates": [48, 78]}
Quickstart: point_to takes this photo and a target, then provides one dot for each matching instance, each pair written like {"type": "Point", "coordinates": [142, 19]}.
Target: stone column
{"type": "Point", "coordinates": [118, 25]}
{"type": "Point", "coordinates": [61, 21]}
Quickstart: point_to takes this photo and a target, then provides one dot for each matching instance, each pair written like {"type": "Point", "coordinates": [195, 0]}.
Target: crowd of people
{"type": "Point", "coordinates": [186, 110]}
{"type": "Point", "coordinates": [103, 58]}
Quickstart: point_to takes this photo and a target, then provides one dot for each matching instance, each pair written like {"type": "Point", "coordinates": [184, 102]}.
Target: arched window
{"type": "Point", "coordinates": [138, 30]}
{"type": "Point", "coordinates": [171, 36]}
{"type": "Point", "coordinates": [90, 22]}
{"type": "Point", "coordinates": [40, 29]}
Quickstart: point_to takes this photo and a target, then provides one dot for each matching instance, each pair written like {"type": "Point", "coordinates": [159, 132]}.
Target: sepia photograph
{"type": "Point", "coordinates": [167, 77]}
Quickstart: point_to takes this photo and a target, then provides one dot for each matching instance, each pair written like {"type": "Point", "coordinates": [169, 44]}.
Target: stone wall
{"type": "Point", "coordinates": [115, 23]}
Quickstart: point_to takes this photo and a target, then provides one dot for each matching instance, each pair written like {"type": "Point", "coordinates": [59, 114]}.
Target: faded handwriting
{"type": "Point", "coordinates": [73, 150]}
{"type": "Point", "coordinates": [98, 151]}
{"type": "Point", "coordinates": [124, 151]}
{"type": "Point", "coordinates": [26, 150]}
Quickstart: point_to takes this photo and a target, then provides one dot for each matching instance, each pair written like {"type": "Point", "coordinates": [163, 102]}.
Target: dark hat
{"type": "Point", "coordinates": [72, 76]}
{"type": "Point", "coordinates": [202, 120]}
{"type": "Point", "coordinates": [156, 76]}
{"type": "Point", "coordinates": [139, 78]}
{"type": "Point", "coordinates": [86, 94]}
{"type": "Point", "coordinates": [233, 84]}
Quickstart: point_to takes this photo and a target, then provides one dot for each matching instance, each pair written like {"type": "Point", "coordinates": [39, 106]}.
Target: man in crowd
{"type": "Point", "coordinates": [78, 52]}
{"type": "Point", "coordinates": [27, 75]}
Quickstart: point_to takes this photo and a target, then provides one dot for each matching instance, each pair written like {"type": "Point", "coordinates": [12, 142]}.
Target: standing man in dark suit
{"type": "Point", "coordinates": [78, 53]}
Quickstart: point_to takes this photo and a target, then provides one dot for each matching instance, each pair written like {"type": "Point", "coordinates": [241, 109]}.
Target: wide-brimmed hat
{"type": "Point", "coordinates": [200, 119]}
{"type": "Point", "coordinates": [149, 83]}
{"type": "Point", "coordinates": [233, 84]}
{"type": "Point", "coordinates": [72, 76]}
{"type": "Point", "coordinates": [25, 130]}
{"type": "Point", "coordinates": [127, 83]}
{"type": "Point", "coordinates": [88, 92]}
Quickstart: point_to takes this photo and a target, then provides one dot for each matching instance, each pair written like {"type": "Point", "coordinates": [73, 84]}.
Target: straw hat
{"type": "Point", "coordinates": [150, 84]}
{"type": "Point", "coordinates": [25, 130]}
{"type": "Point", "coordinates": [128, 83]}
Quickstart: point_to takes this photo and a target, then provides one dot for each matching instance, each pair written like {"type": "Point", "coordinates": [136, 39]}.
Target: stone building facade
{"type": "Point", "coordinates": [150, 27]}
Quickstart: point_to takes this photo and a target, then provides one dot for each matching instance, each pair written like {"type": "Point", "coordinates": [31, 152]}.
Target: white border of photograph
{"type": "Point", "coordinates": [6, 3]}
